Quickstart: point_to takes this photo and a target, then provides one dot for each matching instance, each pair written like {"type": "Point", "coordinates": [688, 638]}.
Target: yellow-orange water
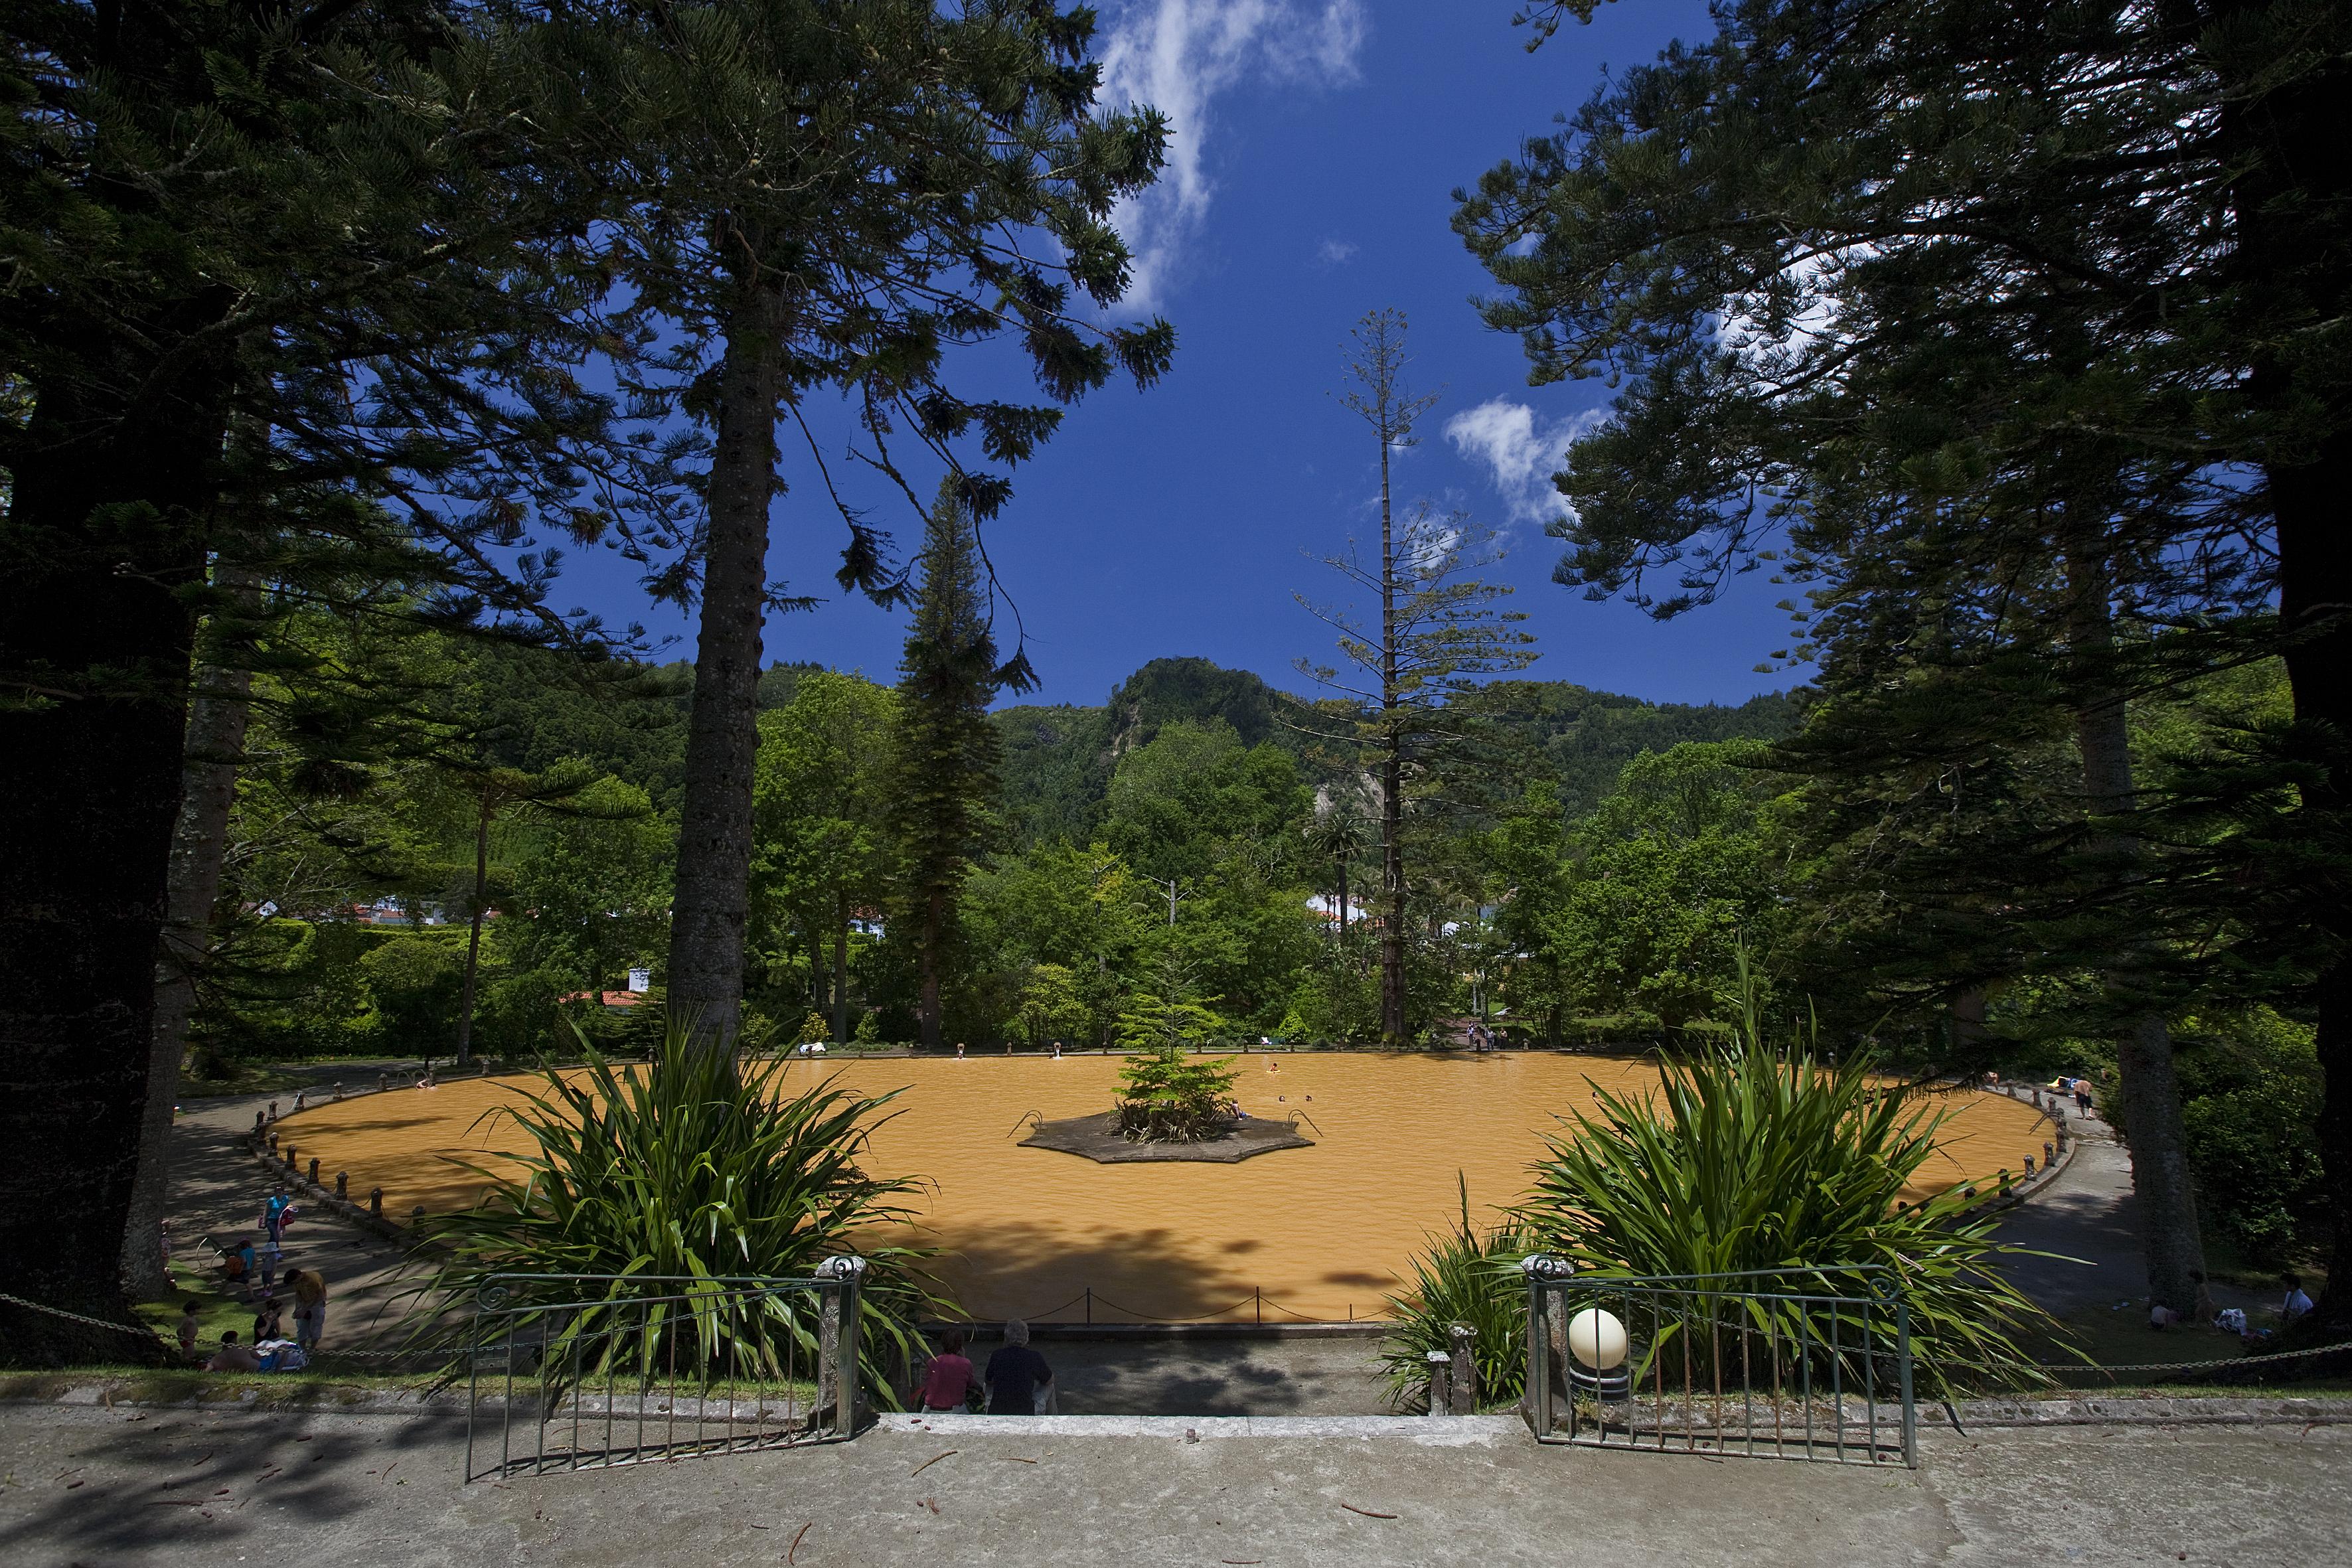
{"type": "Point", "coordinates": [1322, 1233]}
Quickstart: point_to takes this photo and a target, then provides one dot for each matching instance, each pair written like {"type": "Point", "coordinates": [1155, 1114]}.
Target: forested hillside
{"type": "Point", "coordinates": [1058, 758]}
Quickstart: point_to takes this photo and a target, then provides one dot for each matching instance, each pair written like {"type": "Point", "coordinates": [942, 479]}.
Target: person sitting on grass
{"type": "Point", "coordinates": [269, 1323]}
{"type": "Point", "coordinates": [1019, 1381]}
{"type": "Point", "coordinates": [233, 1356]}
{"type": "Point", "coordinates": [188, 1330]}
{"type": "Point", "coordinates": [2296, 1303]}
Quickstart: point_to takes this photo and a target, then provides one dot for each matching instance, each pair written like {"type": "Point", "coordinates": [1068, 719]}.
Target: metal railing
{"type": "Point", "coordinates": [586, 1371]}
{"type": "Point", "coordinates": [1812, 1364]}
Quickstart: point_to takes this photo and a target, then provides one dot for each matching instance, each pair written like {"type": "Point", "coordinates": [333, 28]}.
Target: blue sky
{"type": "Point", "coordinates": [1318, 144]}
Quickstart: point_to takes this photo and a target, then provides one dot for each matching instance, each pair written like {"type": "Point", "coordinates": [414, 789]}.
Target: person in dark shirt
{"type": "Point", "coordinates": [1016, 1374]}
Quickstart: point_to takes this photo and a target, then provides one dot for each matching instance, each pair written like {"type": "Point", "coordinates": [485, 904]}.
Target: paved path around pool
{"type": "Point", "coordinates": [129, 1488]}
{"type": "Point", "coordinates": [2088, 1213]}
{"type": "Point", "coordinates": [217, 1190]}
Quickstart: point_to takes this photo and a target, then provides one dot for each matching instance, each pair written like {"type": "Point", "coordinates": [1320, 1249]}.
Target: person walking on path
{"type": "Point", "coordinates": [1017, 1375]}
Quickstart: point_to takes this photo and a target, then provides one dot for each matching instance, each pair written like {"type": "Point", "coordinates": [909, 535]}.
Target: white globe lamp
{"type": "Point", "coordinates": [1597, 1339]}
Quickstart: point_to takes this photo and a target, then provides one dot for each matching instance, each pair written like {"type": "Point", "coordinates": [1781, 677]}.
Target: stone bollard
{"type": "Point", "coordinates": [1462, 1386]}
{"type": "Point", "coordinates": [273, 1145]}
{"type": "Point", "coordinates": [2004, 1179]}
{"type": "Point", "coordinates": [339, 1088]}
{"type": "Point", "coordinates": [1440, 1383]}
{"type": "Point", "coordinates": [314, 1170]}
{"type": "Point", "coordinates": [417, 1215]}
{"type": "Point", "coordinates": [273, 1110]}
{"type": "Point", "coordinates": [344, 1186]}
{"type": "Point", "coordinates": [375, 1201]}
{"type": "Point", "coordinates": [382, 1082]}
{"type": "Point", "coordinates": [2049, 1153]}
{"type": "Point", "coordinates": [290, 1158]}
{"type": "Point", "coordinates": [301, 1098]}
{"type": "Point", "coordinates": [2029, 1167]}
{"type": "Point", "coordinates": [260, 1122]}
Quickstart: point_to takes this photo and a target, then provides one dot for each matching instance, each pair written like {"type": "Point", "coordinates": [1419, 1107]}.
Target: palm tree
{"type": "Point", "coordinates": [1341, 833]}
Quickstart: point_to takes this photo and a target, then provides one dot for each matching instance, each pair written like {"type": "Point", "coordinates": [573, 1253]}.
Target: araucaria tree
{"type": "Point", "coordinates": [2029, 322]}
{"type": "Point", "coordinates": [1438, 628]}
{"type": "Point", "coordinates": [947, 749]}
{"type": "Point", "coordinates": [834, 194]}
{"type": "Point", "coordinates": [267, 271]}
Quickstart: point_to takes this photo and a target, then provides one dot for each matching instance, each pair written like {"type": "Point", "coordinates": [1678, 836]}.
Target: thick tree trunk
{"type": "Point", "coordinates": [2316, 598]}
{"type": "Point", "coordinates": [2292, 191]}
{"type": "Point", "coordinates": [474, 932]}
{"type": "Point", "coordinates": [105, 520]}
{"type": "Point", "coordinates": [217, 714]}
{"type": "Point", "coordinates": [709, 911]}
{"type": "Point", "coordinates": [2149, 1101]}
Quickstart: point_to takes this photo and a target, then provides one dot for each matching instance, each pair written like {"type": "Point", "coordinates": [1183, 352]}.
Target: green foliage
{"type": "Point", "coordinates": [1750, 1161]}
{"type": "Point", "coordinates": [1168, 1097]}
{"type": "Point", "coordinates": [1051, 1007]}
{"type": "Point", "coordinates": [2252, 1087]}
{"type": "Point", "coordinates": [1645, 905]}
{"type": "Point", "coordinates": [415, 981]}
{"type": "Point", "coordinates": [1463, 1275]}
{"type": "Point", "coordinates": [696, 1167]}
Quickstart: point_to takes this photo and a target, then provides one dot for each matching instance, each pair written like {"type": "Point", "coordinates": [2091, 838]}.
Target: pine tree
{"type": "Point", "coordinates": [269, 273]}
{"type": "Point", "coordinates": [836, 193]}
{"type": "Point", "coordinates": [948, 751]}
{"type": "Point", "coordinates": [2016, 286]}
{"type": "Point", "coordinates": [1437, 630]}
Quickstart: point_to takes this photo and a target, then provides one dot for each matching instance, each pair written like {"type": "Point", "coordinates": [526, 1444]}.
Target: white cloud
{"type": "Point", "coordinates": [1336, 252]}
{"type": "Point", "coordinates": [1180, 56]}
{"type": "Point", "coordinates": [1519, 453]}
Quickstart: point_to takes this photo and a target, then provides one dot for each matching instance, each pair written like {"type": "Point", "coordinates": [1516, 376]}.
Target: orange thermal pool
{"type": "Point", "coordinates": [1322, 1233]}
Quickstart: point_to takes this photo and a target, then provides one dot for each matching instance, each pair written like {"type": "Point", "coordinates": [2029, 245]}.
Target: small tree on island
{"type": "Point", "coordinates": [1170, 1098]}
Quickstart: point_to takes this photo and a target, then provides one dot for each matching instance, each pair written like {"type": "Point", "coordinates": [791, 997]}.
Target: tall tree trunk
{"type": "Point", "coordinates": [1391, 783]}
{"type": "Point", "coordinates": [217, 713]}
{"type": "Point", "coordinates": [1343, 901]}
{"type": "Point", "coordinates": [105, 520]}
{"type": "Point", "coordinates": [841, 971]}
{"type": "Point", "coordinates": [928, 1006]}
{"type": "Point", "coordinates": [474, 929]}
{"type": "Point", "coordinates": [2293, 188]}
{"type": "Point", "coordinates": [2149, 1097]}
{"type": "Point", "coordinates": [709, 910]}
{"type": "Point", "coordinates": [2315, 599]}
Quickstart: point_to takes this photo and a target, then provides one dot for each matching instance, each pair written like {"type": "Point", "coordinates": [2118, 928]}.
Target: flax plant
{"type": "Point", "coordinates": [1758, 1172]}
{"type": "Point", "coordinates": [696, 1171]}
{"type": "Point", "coordinates": [1464, 1275]}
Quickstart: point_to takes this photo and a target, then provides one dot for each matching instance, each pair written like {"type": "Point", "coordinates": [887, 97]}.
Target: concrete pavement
{"type": "Point", "coordinates": [92, 1485]}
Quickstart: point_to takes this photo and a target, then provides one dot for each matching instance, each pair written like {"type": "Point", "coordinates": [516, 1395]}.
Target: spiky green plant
{"type": "Point", "coordinates": [699, 1168]}
{"type": "Point", "coordinates": [1463, 1275]}
{"type": "Point", "coordinates": [1745, 1162]}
